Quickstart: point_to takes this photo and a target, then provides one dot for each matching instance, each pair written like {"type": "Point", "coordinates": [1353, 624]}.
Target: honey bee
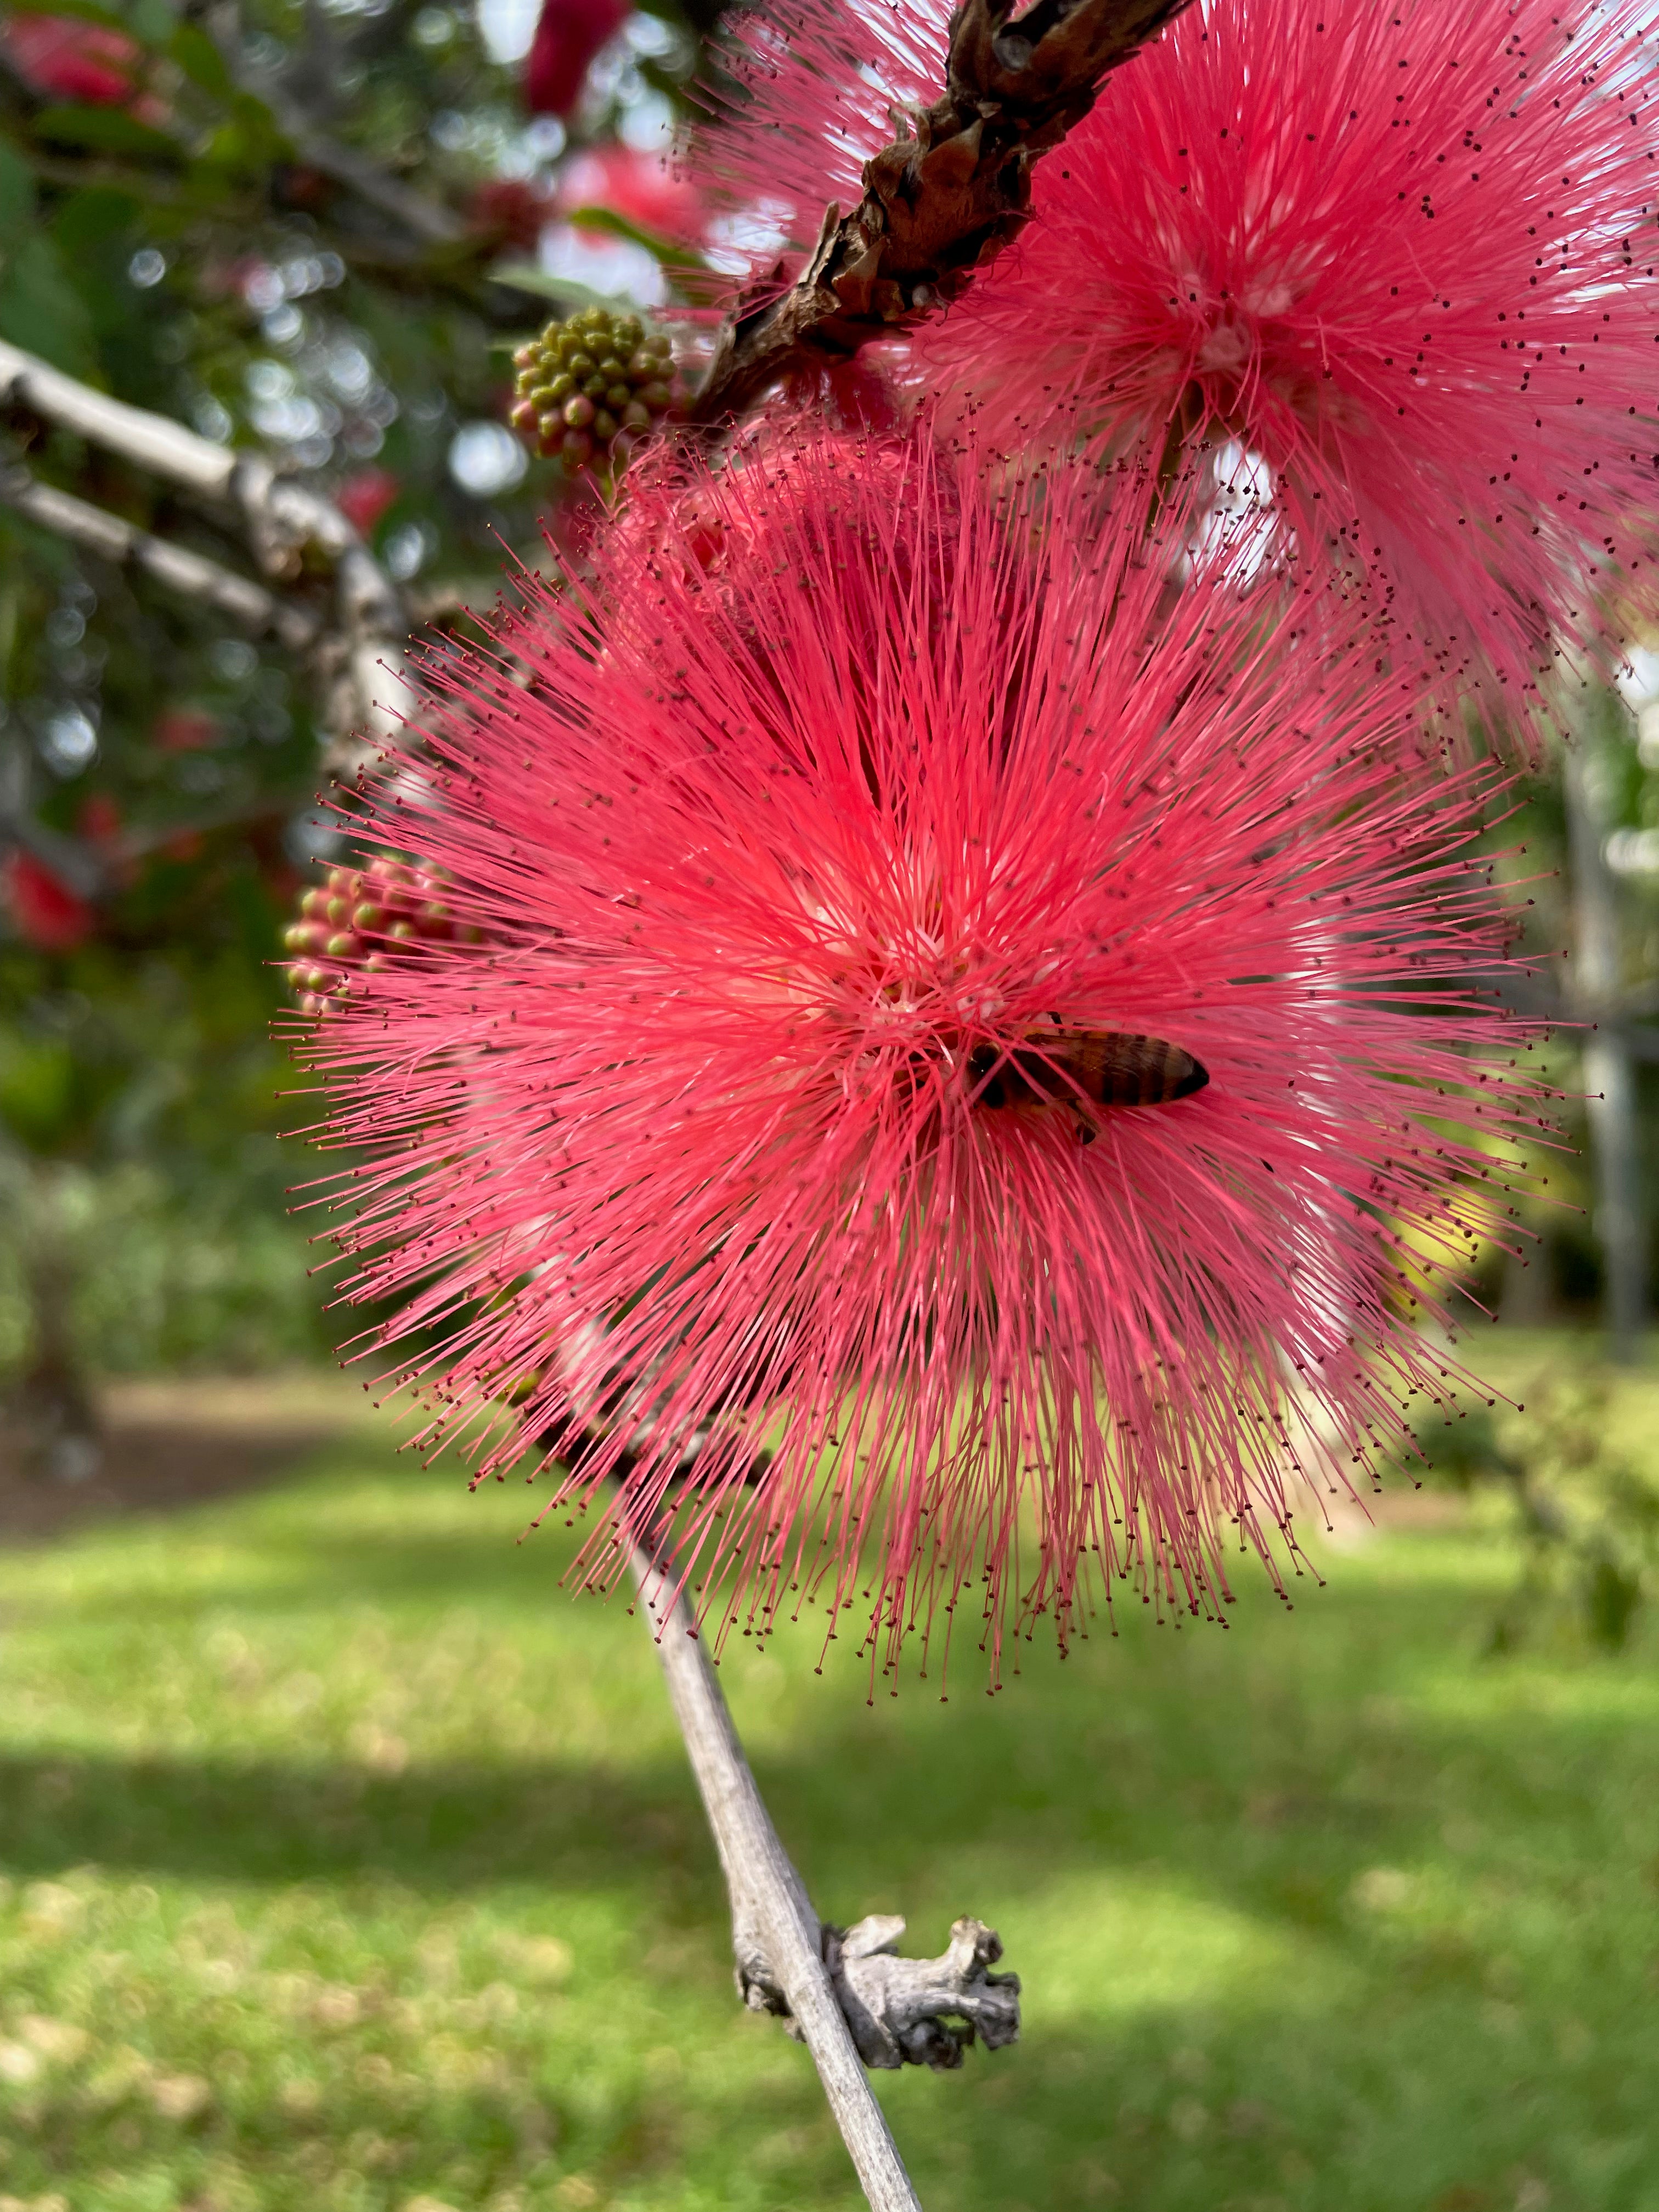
{"type": "Point", "coordinates": [1082, 1069]}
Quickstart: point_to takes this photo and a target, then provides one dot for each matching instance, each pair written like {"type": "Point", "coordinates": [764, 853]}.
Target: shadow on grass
{"type": "Point", "coordinates": [1125, 1819]}
{"type": "Point", "coordinates": [438, 1828]}
{"type": "Point", "coordinates": [1209, 1760]}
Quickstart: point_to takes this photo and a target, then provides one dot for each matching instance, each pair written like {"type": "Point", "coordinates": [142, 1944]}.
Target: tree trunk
{"type": "Point", "coordinates": [1608, 1065]}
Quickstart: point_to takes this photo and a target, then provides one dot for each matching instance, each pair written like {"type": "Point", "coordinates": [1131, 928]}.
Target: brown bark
{"type": "Point", "coordinates": [939, 202]}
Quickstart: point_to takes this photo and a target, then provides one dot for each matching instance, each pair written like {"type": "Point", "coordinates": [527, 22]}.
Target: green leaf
{"type": "Point", "coordinates": [248, 142]}
{"type": "Point", "coordinates": [16, 193]}
{"type": "Point", "coordinates": [89, 11]}
{"type": "Point", "coordinates": [105, 130]}
{"type": "Point", "coordinates": [41, 311]}
{"type": "Point", "coordinates": [94, 218]}
{"type": "Point", "coordinates": [525, 276]}
{"type": "Point", "coordinates": [37, 1092]}
{"type": "Point", "coordinates": [152, 20]}
{"type": "Point", "coordinates": [200, 60]}
{"type": "Point", "coordinates": [662, 250]}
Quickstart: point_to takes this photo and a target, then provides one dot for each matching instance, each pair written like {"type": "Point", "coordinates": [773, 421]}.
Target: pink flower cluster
{"type": "Point", "coordinates": [815, 841]}
{"type": "Point", "coordinates": [1396, 267]}
{"type": "Point", "coordinates": [968, 1057]}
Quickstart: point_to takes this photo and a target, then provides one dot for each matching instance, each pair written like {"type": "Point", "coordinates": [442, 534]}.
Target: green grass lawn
{"type": "Point", "coordinates": [349, 1863]}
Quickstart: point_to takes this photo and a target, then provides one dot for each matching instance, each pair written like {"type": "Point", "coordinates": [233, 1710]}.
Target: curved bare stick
{"type": "Point", "coordinates": [844, 1992]}
{"type": "Point", "coordinates": [193, 576]}
{"type": "Point", "coordinates": [279, 518]}
{"type": "Point", "coordinates": [772, 1917]}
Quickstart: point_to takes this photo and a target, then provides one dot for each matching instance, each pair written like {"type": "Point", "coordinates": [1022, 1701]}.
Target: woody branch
{"type": "Point", "coordinates": [356, 645]}
{"type": "Point", "coordinates": [942, 200]}
{"type": "Point", "coordinates": [842, 1992]}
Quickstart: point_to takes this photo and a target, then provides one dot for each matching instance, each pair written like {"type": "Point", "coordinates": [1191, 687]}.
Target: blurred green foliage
{"type": "Point", "coordinates": [1579, 1509]}
{"type": "Point", "coordinates": [310, 231]}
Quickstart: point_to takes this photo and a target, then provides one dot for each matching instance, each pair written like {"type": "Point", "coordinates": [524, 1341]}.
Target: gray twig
{"type": "Point", "coordinates": [359, 653]}
{"type": "Point", "coordinates": [190, 574]}
{"type": "Point", "coordinates": [843, 1993]}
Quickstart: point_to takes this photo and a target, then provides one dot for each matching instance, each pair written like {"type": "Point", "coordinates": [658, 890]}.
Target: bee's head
{"type": "Point", "coordinates": [985, 1082]}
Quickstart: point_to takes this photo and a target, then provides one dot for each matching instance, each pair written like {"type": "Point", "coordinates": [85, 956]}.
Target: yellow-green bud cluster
{"type": "Point", "coordinates": [358, 919]}
{"type": "Point", "coordinates": [590, 386]}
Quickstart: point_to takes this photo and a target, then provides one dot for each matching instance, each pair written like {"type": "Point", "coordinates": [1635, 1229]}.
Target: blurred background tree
{"type": "Point", "coordinates": [313, 232]}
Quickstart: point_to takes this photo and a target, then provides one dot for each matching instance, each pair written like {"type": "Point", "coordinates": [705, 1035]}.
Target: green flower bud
{"type": "Point", "coordinates": [586, 387]}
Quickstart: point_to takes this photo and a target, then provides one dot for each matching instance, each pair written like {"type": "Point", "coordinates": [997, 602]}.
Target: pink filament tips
{"type": "Point", "coordinates": [847, 783]}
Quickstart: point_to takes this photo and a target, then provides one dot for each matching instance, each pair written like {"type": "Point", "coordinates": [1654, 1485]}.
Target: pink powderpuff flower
{"type": "Point", "coordinates": [1401, 256]}
{"type": "Point", "coordinates": [757, 1155]}
{"type": "Point", "coordinates": [805, 98]}
{"type": "Point", "coordinates": [568, 36]}
{"type": "Point", "coordinates": [1406, 255]}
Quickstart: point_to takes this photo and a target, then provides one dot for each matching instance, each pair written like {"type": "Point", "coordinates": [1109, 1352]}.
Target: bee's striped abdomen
{"type": "Point", "coordinates": [1116, 1069]}
{"type": "Point", "coordinates": [1107, 1067]}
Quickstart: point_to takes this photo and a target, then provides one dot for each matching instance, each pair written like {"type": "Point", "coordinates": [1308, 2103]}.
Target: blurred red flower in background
{"type": "Point", "coordinates": [185, 730]}
{"type": "Point", "coordinates": [511, 209]}
{"type": "Point", "coordinates": [569, 34]}
{"type": "Point", "coordinates": [42, 909]}
{"type": "Point", "coordinates": [365, 496]}
{"type": "Point", "coordinates": [98, 819]}
{"type": "Point", "coordinates": [73, 60]}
